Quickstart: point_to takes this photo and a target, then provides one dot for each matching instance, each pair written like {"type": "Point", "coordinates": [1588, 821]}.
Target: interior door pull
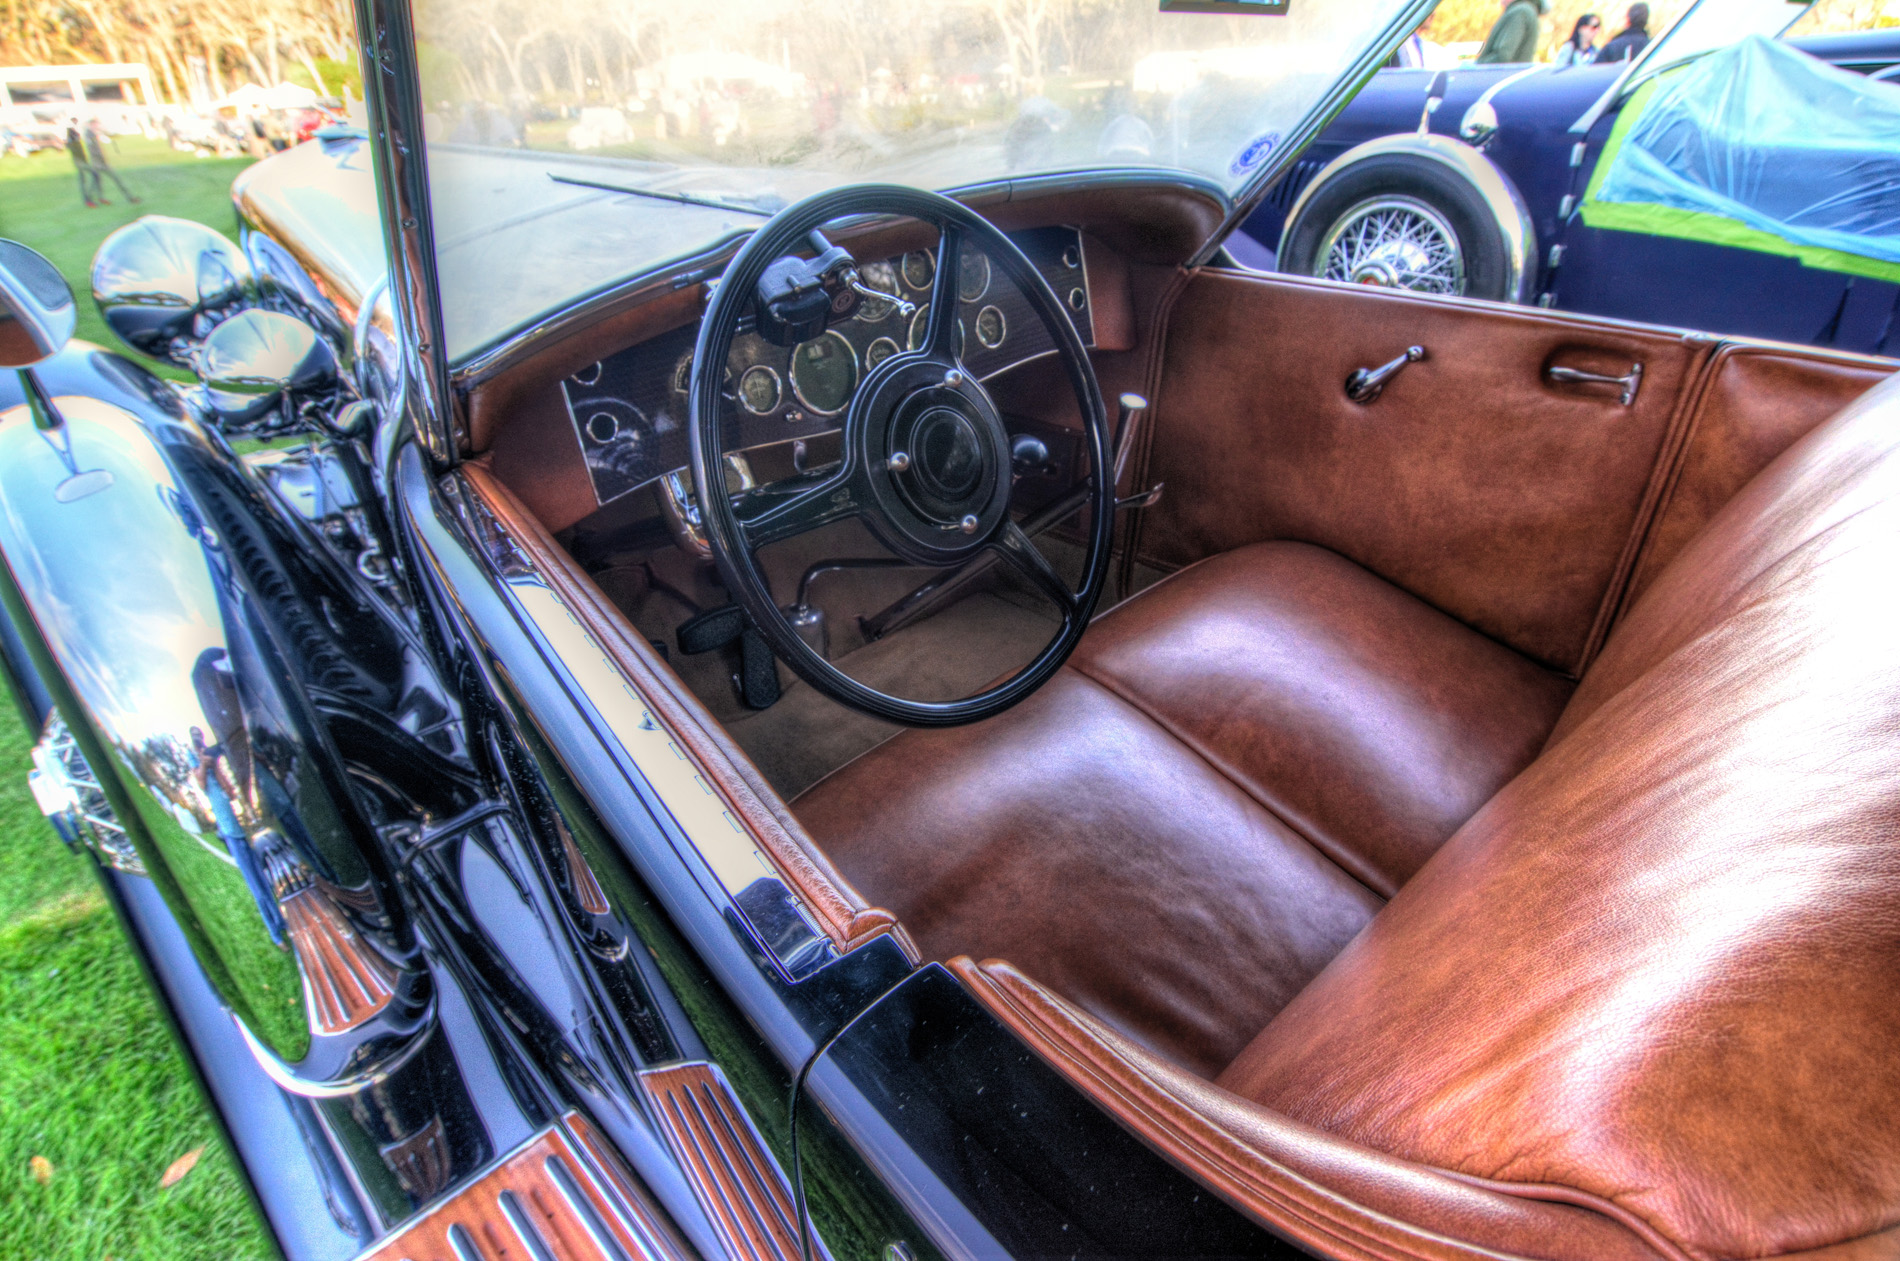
{"type": "Point", "coordinates": [1365, 384]}
{"type": "Point", "coordinates": [1628, 382]}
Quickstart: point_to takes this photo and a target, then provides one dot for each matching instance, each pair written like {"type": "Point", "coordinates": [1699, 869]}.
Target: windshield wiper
{"type": "Point", "coordinates": [685, 198]}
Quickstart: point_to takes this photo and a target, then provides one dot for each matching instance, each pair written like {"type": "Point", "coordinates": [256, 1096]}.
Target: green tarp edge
{"type": "Point", "coordinates": [1695, 225]}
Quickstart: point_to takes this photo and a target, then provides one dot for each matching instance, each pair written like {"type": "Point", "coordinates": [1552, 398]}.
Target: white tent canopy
{"type": "Point", "coordinates": [283, 96]}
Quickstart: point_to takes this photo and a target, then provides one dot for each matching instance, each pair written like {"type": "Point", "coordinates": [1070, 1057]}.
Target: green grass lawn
{"type": "Point", "coordinates": [91, 1083]}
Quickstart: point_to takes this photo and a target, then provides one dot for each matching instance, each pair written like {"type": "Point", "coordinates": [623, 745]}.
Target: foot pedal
{"type": "Point", "coordinates": [758, 669]}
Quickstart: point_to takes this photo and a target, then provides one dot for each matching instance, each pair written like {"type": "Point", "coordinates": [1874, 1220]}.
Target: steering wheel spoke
{"type": "Point", "coordinates": [782, 510]}
{"type": "Point", "coordinates": [940, 330]}
{"type": "Point", "coordinates": [1027, 559]}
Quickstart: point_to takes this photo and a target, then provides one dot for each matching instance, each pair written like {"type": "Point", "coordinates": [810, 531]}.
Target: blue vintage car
{"type": "Point", "coordinates": [1723, 180]}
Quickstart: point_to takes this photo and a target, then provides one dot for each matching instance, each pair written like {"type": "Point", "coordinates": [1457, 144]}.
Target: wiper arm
{"type": "Point", "coordinates": [684, 198]}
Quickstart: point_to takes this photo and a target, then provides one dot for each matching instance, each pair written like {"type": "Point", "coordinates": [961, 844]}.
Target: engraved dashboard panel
{"type": "Point", "coordinates": [629, 409]}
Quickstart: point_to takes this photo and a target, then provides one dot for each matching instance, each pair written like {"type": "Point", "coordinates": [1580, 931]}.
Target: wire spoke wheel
{"type": "Point", "coordinates": [1394, 242]}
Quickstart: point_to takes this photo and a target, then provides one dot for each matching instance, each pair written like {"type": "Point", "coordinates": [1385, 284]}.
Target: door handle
{"type": "Point", "coordinates": [1365, 384]}
{"type": "Point", "coordinates": [1628, 382]}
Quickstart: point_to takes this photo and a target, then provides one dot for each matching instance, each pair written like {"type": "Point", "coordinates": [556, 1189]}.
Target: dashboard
{"type": "Point", "coordinates": [628, 410]}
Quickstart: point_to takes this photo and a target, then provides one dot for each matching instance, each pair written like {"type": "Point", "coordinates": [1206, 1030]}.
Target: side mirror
{"type": "Point", "coordinates": [37, 314]}
{"type": "Point", "coordinates": [259, 367]}
{"type": "Point", "coordinates": [163, 284]}
{"type": "Point", "coordinates": [37, 318]}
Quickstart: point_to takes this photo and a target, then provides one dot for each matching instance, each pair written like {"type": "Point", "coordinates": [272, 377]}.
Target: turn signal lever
{"type": "Point", "coordinates": [1134, 406]}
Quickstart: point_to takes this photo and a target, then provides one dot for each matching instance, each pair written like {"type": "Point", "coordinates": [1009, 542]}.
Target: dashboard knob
{"type": "Point", "coordinates": [1028, 454]}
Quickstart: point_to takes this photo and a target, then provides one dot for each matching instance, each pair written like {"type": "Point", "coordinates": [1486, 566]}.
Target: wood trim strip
{"type": "Point", "coordinates": [840, 911]}
{"type": "Point", "coordinates": [738, 1182]}
{"type": "Point", "coordinates": [561, 1195]}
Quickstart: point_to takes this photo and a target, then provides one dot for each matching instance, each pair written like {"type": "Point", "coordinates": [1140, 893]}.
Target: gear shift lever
{"type": "Point", "coordinates": [1133, 406]}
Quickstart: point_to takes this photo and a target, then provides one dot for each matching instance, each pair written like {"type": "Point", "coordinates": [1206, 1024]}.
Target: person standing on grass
{"type": "Point", "coordinates": [88, 178]}
{"type": "Point", "coordinates": [96, 152]}
{"type": "Point", "coordinates": [1514, 36]}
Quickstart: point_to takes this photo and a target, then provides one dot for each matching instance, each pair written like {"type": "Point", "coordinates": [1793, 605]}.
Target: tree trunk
{"type": "Point", "coordinates": [316, 75]}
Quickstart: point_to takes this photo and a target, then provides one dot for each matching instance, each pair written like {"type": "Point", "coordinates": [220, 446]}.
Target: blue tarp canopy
{"type": "Point", "coordinates": [1762, 146]}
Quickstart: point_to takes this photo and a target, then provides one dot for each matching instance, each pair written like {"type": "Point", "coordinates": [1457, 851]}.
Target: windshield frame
{"type": "Point", "coordinates": [393, 99]}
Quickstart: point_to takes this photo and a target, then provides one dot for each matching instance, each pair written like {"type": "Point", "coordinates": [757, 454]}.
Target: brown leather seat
{"type": "Point", "coordinates": [1655, 978]}
{"type": "Point", "coordinates": [1234, 771]}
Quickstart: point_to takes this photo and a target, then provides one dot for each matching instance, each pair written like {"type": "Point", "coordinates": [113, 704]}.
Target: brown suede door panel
{"type": "Point", "coordinates": [1476, 482]}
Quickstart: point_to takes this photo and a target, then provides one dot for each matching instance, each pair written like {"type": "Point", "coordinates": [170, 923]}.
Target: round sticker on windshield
{"type": "Point", "coordinates": [1254, 153]}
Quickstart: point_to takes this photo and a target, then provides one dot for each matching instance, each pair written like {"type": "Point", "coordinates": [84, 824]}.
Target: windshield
{"type": "Point", "coordinates": [739, 107]}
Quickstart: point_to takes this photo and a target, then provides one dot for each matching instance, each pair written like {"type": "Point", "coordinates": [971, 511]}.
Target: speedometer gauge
{"type": "Point", "coordinates": [824, 372]}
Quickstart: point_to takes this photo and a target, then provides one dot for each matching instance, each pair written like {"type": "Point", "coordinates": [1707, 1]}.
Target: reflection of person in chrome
{"type": "Point", "coordinates": [213, 779]}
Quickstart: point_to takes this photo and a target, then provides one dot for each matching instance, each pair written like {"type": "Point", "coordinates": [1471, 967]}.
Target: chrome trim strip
{"type": "Point", "coordinates": [392, 95]}
{"type": "Point", "coordinates": [1250, 194]}
{"type": "Point", "coordinates": [736, 871]}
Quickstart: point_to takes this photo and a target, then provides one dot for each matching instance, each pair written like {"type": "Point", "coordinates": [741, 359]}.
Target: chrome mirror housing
{"type": "Point", "coordinates": [163, 284]}
{"type": "Point", "coordinates": [1479, 124]}
{"type": "Point", "coordinates": [260, 368]}
{"type": "Point", "coordinates": [37, 312]}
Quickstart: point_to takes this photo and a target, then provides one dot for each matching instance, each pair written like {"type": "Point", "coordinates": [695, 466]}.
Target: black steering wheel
{"type": "Point", "coordinates": [925, 456]}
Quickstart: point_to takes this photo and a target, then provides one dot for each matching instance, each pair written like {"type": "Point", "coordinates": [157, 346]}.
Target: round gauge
{"type": "Point", "coordinates": [883, 278]}
{"type": "Point", "coordinates": [603, 427]}
{"type": "Point", "coordinates": [760, 390]}
{"type": "Point", "coordinates": [590, 375]}
{"type": "Point", "coordinates": [915, 339]}
{"type": "Point", "coordinates": [973, 276]}
{"type": "Point", "coordinates": [683, 374]}
{"type": "Point", "coordinates": [824, 372]}
{"type": "Point", "coordinates": [1072, 257]}
{"type": "Point", "coordinates": [878, 351]}
{"type": "Point", "coordinates": [991, 327]}
{"type": "Point", "coordinates": [1077, 299]}
{"type": "Point", "coordinates": [919, 269]}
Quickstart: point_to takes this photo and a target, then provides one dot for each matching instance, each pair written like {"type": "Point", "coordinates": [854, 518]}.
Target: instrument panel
{"type": "Point", "coordinates": [629, 409]}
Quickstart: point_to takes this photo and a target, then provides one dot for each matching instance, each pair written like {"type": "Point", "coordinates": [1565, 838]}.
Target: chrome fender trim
{"type": "Point", "coordinates": [1506, 204]}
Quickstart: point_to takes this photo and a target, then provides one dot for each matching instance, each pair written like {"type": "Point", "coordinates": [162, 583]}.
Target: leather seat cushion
{"type": "Point", "coordinates": [1185, 825]}
{"type": "Point", "coordinates": [1367, 721]}
{"type": "Point", "coordinates": [1660, 972]}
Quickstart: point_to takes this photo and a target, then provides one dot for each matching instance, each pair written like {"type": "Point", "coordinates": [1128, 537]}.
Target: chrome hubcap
{"type": "Point", "coordinates": [1394, 243]}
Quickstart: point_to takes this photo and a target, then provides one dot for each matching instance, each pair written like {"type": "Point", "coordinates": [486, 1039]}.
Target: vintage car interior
{"type": "Point", "coordinates": [1465, 826]}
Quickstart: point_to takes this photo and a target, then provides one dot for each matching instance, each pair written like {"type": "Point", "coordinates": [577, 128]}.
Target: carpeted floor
{"type": "Point", "coordinates": [990, 633]}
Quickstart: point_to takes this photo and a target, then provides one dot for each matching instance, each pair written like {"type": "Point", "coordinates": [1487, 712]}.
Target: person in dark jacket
{"type": "Point", "coordinates": [96, 154]}
{"type": "Point", "coordinates": [88, 178]}
{"type": "Point", "coordinates": [1514, 36]}
{"type": "Point", "coordinates": [1632, 39]}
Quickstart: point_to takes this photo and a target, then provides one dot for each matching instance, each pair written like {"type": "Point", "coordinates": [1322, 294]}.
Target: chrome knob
{"type": "Point", "coordinates": [969, 523]}
{"type": "Point", "coordinates": [952, 379]}
{"type": "Point", "coordinates": [898, 462]}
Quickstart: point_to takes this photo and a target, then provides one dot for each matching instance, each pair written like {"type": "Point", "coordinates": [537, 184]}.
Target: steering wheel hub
{"type": "Point", "coordinates": [935, 455]}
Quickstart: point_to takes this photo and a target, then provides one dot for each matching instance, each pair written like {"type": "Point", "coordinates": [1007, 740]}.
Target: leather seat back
{"type": "Point", "coordinates": [1658, 975]}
